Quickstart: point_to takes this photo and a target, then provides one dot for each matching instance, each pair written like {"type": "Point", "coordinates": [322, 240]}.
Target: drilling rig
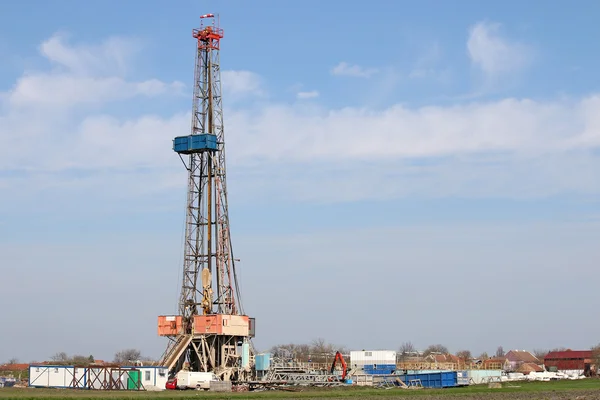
{"type": "Point", "coordinates": [211, 333]}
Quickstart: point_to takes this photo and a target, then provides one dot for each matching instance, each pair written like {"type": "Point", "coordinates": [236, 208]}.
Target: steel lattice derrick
{"type": "Point", "coordinates": [207, 239]}
{"type": "Point", "coordinates": [212, 332]}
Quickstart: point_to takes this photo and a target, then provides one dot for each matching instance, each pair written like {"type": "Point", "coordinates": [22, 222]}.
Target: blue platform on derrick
{"type": "Point", "coordinates": [195, 143]}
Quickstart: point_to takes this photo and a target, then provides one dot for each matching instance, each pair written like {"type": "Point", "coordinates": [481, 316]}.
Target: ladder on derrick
{"type": "Point", "coordinates": [175, 350]}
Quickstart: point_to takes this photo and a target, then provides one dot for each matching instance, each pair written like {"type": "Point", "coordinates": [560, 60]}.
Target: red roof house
{"type": "Point", "coordinates": [14, 367]}
{"type": "Point", "coordinates": [526, 368]}
{"type": "Point", "coordinates": [569, 360]}
{"type": "Point", "coordinates": [516, 358]}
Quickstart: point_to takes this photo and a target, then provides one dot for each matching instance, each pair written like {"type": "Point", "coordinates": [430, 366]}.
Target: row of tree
{"type": "Point", "coordinates": [122, 357]}
{"type": "Point", "coordinates": [321, 351]}
{"type": "Point", "coordinates": [64, 358]}
{"type": "Point", "coordinates": [407, 349]}
{"type": "Point", "coordinates": [126, 356]}
{"type": "Point", "coordinates": [317, 351]}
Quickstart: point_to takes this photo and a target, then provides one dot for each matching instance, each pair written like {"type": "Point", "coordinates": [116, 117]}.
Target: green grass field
{"type": "Point", "coordinates": [516, 390]}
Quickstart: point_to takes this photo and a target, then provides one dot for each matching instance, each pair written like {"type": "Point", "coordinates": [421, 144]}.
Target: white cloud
{"type": "Point", "coordinates": [516, 147]}
{"type": "Point", "coordinates": [57, 114]}
{"type": "Point", "coordinates": [495, 54]}
{"type": "Point", "coordinates": [238, 84]}
{"type": "Point", "coordinates": [307, 95]}
{"type": "Point", "coordinates": [65, 90]}
{"type": "Point", "coordinates": [109, 57]}
{"type": "Point", "coordinates": [86, 75]}
{"type": "Point", "coordinates": [519, 126]}
{"type": "Point", "coordinates": [345, 69]}
{"type": "Point", "coordinates": [95, 142]}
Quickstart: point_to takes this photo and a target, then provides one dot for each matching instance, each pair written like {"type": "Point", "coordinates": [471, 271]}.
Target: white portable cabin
{"type": "Point", "coordinates": [56, 376]}
{"type": "Point", "coordinates": [66, 376]}
{"type": "Point", "coordinates": [153, 377]}
{"type": "Point", "coordinates": [372, 357]}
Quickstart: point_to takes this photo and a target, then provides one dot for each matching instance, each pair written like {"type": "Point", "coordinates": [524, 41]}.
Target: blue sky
{"type": "Point", "coordinates": [398, 168]}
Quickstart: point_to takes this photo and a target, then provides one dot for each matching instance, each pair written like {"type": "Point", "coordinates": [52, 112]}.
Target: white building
{"type": "Point", "coordinates": [56, 376]}
{"type": "Point", "coordinates": [373, 357]}
{"type": "Point", "coordinates": [153, 378]}
{"type": "Point", "coordinates": [98, 377]}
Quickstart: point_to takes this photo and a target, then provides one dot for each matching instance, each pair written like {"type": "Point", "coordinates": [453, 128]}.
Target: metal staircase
{"type": "Point", "coordinates": [174, 351]}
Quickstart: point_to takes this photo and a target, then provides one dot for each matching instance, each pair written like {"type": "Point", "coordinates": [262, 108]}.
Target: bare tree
{"type": "Point", "coordinates": [320, 346]}
{"type": "Point", "coordinates": [284, 350]}
{"type": "Point", "coordinates": [13, 360]}
{"type": "Point", "coordinates": [60, 357]}
{"type": "Point", "coordinates": [435, 348]}
{"type": "Point", "coordinates": [483, 356]}
{"type": "Point", "coordinates": [500, 352]}
{"type": "Point", "coordinates": [127, 356]}
{"type": "Point", "coordinates": [303, 352]}
{"type": "Point", "coordinates": [464, 355]}
{"type": "Point", "coordinates": [291, 351]}
{"type": "Point", "coordinates": [405, 350]}
{"type": "Point", "coordinates": [540, 353]}
{"type": "Point", "coordinates": [322, 351]}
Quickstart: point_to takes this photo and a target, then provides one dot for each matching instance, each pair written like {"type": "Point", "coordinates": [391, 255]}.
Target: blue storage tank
{"type": "Point", "coordinates": [195, 143]}
{"type": "Point", "coordinates": [262, 362]}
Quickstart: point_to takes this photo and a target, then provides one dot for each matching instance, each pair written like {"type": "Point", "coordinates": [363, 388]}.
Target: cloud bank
{"type": "Point", "coordinates": [507, 147]}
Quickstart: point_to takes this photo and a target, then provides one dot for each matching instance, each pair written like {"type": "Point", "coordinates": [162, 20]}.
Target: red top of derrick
{"type": "Point", "coordinates": [208, 36]}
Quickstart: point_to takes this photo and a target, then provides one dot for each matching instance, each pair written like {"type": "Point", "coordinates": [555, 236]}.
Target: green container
{"type": "Point", "coordinates": [133, 380]}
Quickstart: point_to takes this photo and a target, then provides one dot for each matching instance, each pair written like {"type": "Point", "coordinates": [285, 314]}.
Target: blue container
{"type": "Point", "coordinates": [195, 143]}
{"type": "Point", "coordinates": [178, 141]}
{"type": "Point", "coordinates": [197, 140]}
{"type": "Point", "coordinates": [181, 144]}
{"type": "Point", "coordinates": [449, 379]}
{"type": "Point", "coordinates": [432, 380]}
{"type": "Point", "coordinates": [379, 369]}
